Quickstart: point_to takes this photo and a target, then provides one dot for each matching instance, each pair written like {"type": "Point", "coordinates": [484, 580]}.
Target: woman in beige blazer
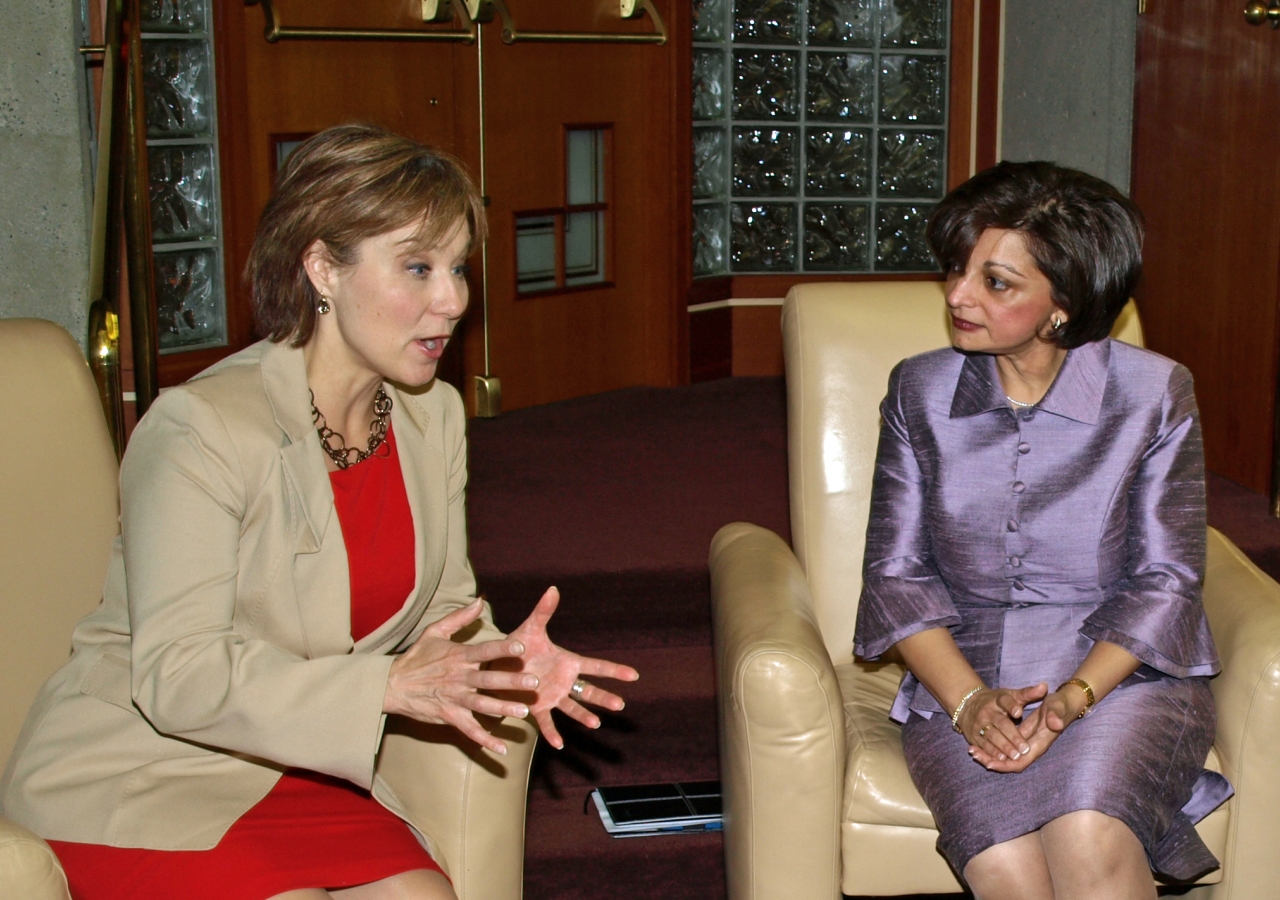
{"type": "Point", "coordinates": [222, 654]}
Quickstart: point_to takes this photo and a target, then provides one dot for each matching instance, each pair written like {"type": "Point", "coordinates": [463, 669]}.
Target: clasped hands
{"type": "Point", "coordinates": [1002, 739]}
{"type": "Point", "coordinates": [443, 682]}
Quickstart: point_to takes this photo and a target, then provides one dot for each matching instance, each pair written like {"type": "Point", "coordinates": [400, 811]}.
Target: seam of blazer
{"type": "Point", "coordinates": [125, 791]}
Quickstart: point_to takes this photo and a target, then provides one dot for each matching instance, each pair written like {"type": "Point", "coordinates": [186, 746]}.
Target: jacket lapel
{"type": "Point", "coordinates": [320, 560]}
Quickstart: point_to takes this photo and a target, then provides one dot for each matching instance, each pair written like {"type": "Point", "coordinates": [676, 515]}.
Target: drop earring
{"type": "Point", "coordinates": [323, 306]}
{"type": "Point", "coordinates": [1057, 324]}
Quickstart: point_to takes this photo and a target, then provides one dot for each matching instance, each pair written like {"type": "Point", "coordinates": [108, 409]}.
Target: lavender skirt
{"type": "Point", "coordinates": [1138, 757]}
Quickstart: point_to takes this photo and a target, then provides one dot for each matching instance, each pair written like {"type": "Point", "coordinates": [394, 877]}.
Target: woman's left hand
{"type": "Point", "coordinates": [558, 669]}
{"type": "Point", "coordinates": [1040, 728]}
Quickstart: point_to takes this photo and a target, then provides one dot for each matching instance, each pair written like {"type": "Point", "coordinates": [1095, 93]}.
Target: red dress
{"type": "Point", "coordinates": [311, 830]}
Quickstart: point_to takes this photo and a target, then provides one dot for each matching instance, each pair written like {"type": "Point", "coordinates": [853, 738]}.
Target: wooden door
{"type": "Point", "coordinates": [543, 347]}
{"type": "Point", "coordinates": [1206, 174]}
{"type": "Point", "coordinates": [567, 340]}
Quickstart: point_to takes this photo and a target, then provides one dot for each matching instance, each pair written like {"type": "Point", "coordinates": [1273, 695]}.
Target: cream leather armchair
{"type": "Point", "coordinates": [817, 796]}
{"type": "Point", "coordinates": [58, 517]}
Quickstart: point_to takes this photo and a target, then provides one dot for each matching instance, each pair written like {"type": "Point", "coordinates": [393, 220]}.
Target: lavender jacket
{"type": "Point", "coordinates": [1032, 534]}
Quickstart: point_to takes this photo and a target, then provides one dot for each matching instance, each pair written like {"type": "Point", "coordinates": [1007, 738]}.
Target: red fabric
{"type": "Point", "coordinates": [311, 830]}
{"type": "Point", "coordinates": [377, 528]}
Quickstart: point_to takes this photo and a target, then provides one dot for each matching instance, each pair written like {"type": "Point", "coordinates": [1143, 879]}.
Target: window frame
{"type": "Point", "coordinates": [561, 213]}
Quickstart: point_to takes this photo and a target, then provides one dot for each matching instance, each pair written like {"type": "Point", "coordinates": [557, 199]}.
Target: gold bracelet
{"type": "Point", "coordinates": [1089, 699]}
{"type": "Point", "coordinates": [955, 716]}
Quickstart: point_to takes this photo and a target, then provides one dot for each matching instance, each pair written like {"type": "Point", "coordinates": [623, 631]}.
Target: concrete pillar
{"type": "Point", "coordinates": [45, 175]}
{"type": "Point", "coordinates": [1068, 84]}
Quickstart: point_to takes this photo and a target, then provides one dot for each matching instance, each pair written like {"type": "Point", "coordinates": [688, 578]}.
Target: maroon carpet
{"type": "Point", "coordinates": [614, 498]}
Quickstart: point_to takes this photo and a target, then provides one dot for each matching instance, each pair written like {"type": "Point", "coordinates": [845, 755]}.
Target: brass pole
{"type": "Point", "coordinates": [104, 248]}
{"type": "Point", "coordinates": [484, 193]}
{"type": "Point", "coordinates": [137, 223]}
{"type": "Point", "coordinates": [488, 389]}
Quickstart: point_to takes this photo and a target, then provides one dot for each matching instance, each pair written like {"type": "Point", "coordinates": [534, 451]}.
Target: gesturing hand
{"type": "Point", "coordinates": [557, 669]}
{"type": "Point", "coordinates": [439, 681]}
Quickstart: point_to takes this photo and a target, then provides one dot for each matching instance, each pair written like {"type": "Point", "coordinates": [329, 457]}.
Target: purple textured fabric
{"type": "Point", "coordinates": [1030, 535]}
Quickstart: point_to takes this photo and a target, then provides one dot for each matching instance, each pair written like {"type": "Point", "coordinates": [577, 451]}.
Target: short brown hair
{"type": "Point", "coordinates": [1085, 236]}
{"type": "Point", "coordinates": [343, 186]}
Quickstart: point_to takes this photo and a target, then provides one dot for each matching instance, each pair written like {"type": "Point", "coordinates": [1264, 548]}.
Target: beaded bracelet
{"type": "Point", "coordinates": [955, 716]}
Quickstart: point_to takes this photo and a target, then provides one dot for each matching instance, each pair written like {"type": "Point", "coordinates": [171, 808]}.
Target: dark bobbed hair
{"type": "Point", "coordinates": [1085, 236]}
{"type": "Point", "coordinates": [343, 186]}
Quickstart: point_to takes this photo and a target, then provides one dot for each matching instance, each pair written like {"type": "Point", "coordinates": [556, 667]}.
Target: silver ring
{"type": "Point", "coordinates": [579, 687]}
{"type": "Point", "coordinates": [982, 732]}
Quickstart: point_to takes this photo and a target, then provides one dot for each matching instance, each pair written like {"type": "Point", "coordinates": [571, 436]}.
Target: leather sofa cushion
{"type": "Point", "coordinates": [877, 787]}
{"type": "Point", "coordinates": [28, 868]}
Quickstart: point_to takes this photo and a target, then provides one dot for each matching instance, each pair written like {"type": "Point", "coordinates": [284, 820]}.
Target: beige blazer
{"type": "Point", "coordinates": [222, 652]}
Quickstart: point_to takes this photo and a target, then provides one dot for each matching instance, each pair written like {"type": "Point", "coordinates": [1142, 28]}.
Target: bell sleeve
{"type": "Point", "coordinates": [902, 592]}
{"type": "Point", "coordinates": [1155, 611]}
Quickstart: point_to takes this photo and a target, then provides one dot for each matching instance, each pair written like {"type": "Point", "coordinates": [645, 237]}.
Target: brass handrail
{"type": "Point", "coordinates": [627, 9]}
{"type": "Point", "coordinates": [137, 224]}
{"type": "Point", "coordinates": [273, 31]}
{"type": "Point", "coordinates": [104, 248]}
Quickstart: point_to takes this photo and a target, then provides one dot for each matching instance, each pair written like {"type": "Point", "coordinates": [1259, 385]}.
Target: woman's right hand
{"type": "Point", "coordinates": [987, 722]}
{"type": "Point", "coordinates": [439, 681]}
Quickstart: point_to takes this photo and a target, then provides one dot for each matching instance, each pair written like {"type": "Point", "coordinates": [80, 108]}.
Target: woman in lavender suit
{"type": "Point", "coordinates": [1036, 552]}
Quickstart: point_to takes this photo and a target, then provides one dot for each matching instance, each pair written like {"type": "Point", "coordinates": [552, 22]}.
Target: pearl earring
{"type": "Point", "coordinates": [323, 306]}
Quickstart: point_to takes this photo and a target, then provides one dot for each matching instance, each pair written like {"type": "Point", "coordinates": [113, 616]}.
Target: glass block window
{"type": "Point", "coordinates": [182, 158]}
{"type": "Point", "coordinates": [565, 247]}
{"type": "Point", "coordinates": [819, 134]}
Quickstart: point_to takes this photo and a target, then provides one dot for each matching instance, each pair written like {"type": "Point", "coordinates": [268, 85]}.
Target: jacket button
{"type": "Point", "coordinates": [1024, 447]}
{"type": "Point", "coordinates": [1019, 487]}
{"type": "Point", "coordinates": [1013, 525]}
{"type": "Point", "coordinates": [1015, 561]}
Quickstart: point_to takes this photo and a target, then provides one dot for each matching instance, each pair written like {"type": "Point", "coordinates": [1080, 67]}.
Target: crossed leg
{"type": "Point", "coordinates": [419, 884]}
{"type": "Point", "coordinates": [1083, 855]}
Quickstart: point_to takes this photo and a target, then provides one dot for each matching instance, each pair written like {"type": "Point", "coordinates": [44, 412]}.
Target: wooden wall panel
{"type": "Point", "coordinates": [1207, 177]}
{"type": "Point", "coordinates": [757, 340]}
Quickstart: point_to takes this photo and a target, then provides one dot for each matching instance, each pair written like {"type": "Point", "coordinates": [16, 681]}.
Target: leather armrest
{"type": "Point", "coordinates": [1243, 606]}
{"type": "Point", "coordinates": [782, 733]}
{"type": "Point", "coordinates": [467, 802]}
{"type": "Point", "coordinates": [28, 868]}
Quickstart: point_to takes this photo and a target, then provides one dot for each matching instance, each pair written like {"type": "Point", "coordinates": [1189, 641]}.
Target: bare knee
{"type": "Point", "coordinates": [1088, 836]}
{"type": "Point", "coordinates": [1013, 869]}
{"type": "Point", "coordinates": [1093, 855]}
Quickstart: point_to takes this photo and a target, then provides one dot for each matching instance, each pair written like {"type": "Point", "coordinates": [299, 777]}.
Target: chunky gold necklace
{"type": "Point", "coordinates": [335, 444]}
